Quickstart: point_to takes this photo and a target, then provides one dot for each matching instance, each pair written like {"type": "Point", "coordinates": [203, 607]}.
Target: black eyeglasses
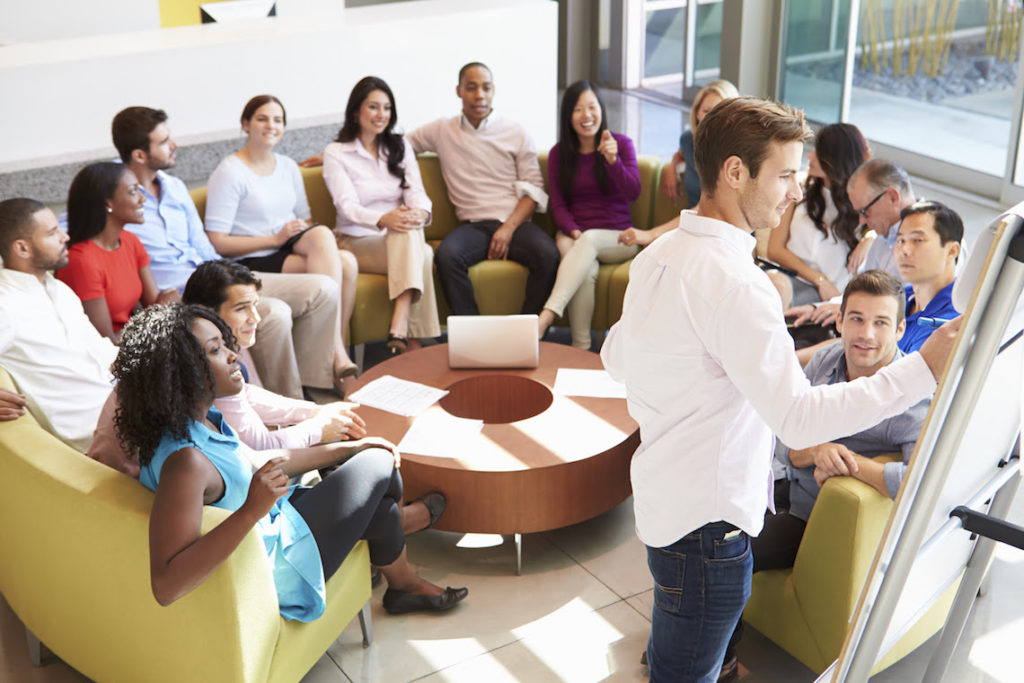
{"type": "Point", "coordinates": [864, 211]}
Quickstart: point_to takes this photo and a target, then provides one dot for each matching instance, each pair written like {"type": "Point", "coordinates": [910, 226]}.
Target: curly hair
{"type": "Point", "coordinates": [163, 376]}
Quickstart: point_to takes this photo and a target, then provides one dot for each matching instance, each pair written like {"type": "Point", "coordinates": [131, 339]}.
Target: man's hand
{"type": "Point", "coordinates": [500, 241]}
{"type": "Point", "coordinates": [12, 405]}
{"type": "Point", "coordinates": [609, 147]}
{"type": "Point", "coordinates": [937, 347]}
{"type": "Point", "coordinates": [830, 460]}
{"type": "Point", "coordinates": [822, 314]}
{"type": "Point", "coordinates": [860, 253]}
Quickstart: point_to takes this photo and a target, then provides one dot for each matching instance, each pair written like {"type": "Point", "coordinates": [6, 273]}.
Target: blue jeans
{"type": "Point", "coordinates": [701, 583]}
{"type": "Point", "coordinates": [467, 245]}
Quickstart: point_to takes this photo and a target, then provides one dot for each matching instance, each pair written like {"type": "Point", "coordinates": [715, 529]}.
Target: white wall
{"type": "Point", "coordinates": [59, 96]}
{"type": "Point", "coordinates": [32, 20]}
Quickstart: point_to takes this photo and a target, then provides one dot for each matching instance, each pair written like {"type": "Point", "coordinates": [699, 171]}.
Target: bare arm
{"type": "Point", "coordinates": [99, 315]}
{"type": "Point", "coordinates": [180, 557]}
{"type": "Point", "coordinates": [302, 460]}
{"type": "Point", "coordinates": [779, 252]}
{"type": "Point", "coordinates": [240, 245]}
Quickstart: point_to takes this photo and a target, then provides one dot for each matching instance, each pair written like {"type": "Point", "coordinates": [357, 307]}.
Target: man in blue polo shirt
{"type": "Point", "coordinates": [927, 246]}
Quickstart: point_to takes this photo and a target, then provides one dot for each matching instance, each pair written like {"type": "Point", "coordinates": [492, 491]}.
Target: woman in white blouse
{"type": "Point", "coordinates": [374, 180]}
{"type": "Point", "coordinates": [817, 235]}
{"type": "Point", "coordinates": [258, 214]}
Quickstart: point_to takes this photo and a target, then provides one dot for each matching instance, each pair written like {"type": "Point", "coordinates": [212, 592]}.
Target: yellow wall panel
{"type": "Point", "coordinates": [180, 12]}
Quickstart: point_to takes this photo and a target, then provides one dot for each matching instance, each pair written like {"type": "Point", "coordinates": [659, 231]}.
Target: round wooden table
{"type": "Point", "coordinates": [541, 462]}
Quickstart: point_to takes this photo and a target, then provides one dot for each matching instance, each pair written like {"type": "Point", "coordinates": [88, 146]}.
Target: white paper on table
{"type": "Point", "coordinates": [596, 383]}
{"type": "Point", "coordinates": [398, 396]}
{"type": "Point", "coordinates": [441, 434]}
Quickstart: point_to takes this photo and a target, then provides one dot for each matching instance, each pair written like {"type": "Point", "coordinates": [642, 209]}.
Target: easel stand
{"type": "Point", "coordinates": [916, 529]}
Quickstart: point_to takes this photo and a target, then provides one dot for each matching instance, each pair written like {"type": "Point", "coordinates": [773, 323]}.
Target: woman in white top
{"type": "Point", "coordinates": [257, 213]}
{"type": "Point", "coordinates": [374, 179]}
{"type": "Point", "coordinates": [817, 235]}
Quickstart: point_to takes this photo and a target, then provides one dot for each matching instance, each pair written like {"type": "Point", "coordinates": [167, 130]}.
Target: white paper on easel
{"type": "Point", "coordinates": [595, 383]}
{"type": "Point", "coordinates": [398, 396]}
{"type": "Point", "coordinates": [441, 435]}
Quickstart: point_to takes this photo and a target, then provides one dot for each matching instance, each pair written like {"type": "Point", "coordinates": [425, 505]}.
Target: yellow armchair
{"type": "Point", "coordinates": [75, 570]}
{"type": "Point", "coordinates": [805, 610]}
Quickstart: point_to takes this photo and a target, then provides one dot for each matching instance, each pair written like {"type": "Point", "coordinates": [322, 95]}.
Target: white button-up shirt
{"type": "Point", "coordinates": [710, 373]}
{"type": "Point", "coordinates": [363, 189]}
{"type": "Point", "coordinates": [55, 355]}
{"type": "Point", "coordinates": [487, 169]}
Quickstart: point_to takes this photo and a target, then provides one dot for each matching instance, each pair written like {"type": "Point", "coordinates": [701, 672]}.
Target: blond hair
{"type": "Point", "coordinates": [723, 89]}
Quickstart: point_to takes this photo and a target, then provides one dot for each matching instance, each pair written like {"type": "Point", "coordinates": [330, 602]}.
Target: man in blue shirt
{"type": "Point", "coordinates": [300, 312]}
{"type": "Point", "coordinates": [927, 246]}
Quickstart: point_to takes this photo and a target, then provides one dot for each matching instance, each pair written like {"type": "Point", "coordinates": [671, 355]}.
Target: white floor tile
{"type": "Point", "coordinates": [608, 548]}
{"type": "Point", "coordinates": [600, 646]}
{"type": "Point", "coordinates": [325, 671]}
{"type": "Point", "coordinates": [501, 607]}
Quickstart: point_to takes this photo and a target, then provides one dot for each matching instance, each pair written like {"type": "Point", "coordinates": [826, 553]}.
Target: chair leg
{"type": "Point", "coordinates": [366, 624]}
{"type": "Point", "coordinates": [359, 356]}
{"type": "Point", "coordinates": [35, 648]}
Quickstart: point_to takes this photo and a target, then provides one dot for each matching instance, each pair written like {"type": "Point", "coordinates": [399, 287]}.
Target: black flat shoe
{"type": "Point", "coordinates": [397, 345]}
{"type": "Point", "coordinates": [400, 602]}
{"type": "Point", "coordinates": [435, 503]}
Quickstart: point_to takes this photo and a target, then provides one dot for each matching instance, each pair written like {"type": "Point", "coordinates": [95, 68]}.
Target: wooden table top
{"type": "Point", "coordinates": [569, 429]}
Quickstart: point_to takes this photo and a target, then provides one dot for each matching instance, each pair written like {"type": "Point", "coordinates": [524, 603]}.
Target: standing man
{"type": "Point", "coordinates": [927, 246]}
{"type": "Point", "coordinates": [287, 358]}
{"type": "Point", "coordinates": [490, 167]}
{"type": "Point", "coordinates": [710, 373]}
{"type": "Point", "coordinates": [879, 190]}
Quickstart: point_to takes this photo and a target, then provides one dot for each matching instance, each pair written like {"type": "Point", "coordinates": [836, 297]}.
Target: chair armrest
{"type": "Point", "coordinates": [839, 544]}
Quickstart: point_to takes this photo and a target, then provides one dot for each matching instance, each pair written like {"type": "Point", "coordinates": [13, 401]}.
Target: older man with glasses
{"type": "Point", "coordinates": [879, 190]}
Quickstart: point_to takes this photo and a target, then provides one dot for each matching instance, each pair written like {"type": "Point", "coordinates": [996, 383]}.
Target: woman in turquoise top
{"type": "Point", "coordinates": [174, 360]}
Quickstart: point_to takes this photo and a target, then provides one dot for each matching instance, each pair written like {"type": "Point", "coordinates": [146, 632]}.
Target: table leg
{"type": "Point", "coordinates": [519, 554]}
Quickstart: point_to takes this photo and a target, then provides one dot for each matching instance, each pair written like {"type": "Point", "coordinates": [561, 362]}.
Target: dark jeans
{"type": "Point", "coordinates": [701, 583]}
{"type": "Point", "coordinates": [359, 499]}
{"type": "Point", "coordinates": [467, 245]}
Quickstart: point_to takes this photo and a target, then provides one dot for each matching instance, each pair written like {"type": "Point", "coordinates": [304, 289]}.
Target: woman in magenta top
{"type": "Point", "coordinates": [108, 267]}
{"type": "Point", "coordinates": [593, 178]}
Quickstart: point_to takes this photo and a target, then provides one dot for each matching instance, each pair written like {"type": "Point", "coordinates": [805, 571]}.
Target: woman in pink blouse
{"type": "Point", "coordinates": [374, 180]}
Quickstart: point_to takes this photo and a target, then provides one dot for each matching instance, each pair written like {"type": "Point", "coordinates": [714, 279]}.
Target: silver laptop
{"type": "Point", "coordinates": [493, 341]}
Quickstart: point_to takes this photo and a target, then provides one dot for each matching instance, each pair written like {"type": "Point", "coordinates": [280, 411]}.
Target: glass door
{"type": "Point", "coordinates": [681, 46]}
{"type": "Point", "coordinates": [815, 57]}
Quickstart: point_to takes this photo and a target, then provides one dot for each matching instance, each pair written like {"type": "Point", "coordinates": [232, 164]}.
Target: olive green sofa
{"type": "Point", "coordinates": [75, 569]}
{"type": "Point", "coordinates": [499, 285]}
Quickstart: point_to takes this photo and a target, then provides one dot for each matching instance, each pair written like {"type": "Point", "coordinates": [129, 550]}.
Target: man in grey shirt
{"type": "Point", "coordinates": [871, 320]}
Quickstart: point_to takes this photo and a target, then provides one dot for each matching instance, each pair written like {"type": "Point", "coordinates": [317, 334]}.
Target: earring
{"type": "Point", "coordinates": [110, 210]}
